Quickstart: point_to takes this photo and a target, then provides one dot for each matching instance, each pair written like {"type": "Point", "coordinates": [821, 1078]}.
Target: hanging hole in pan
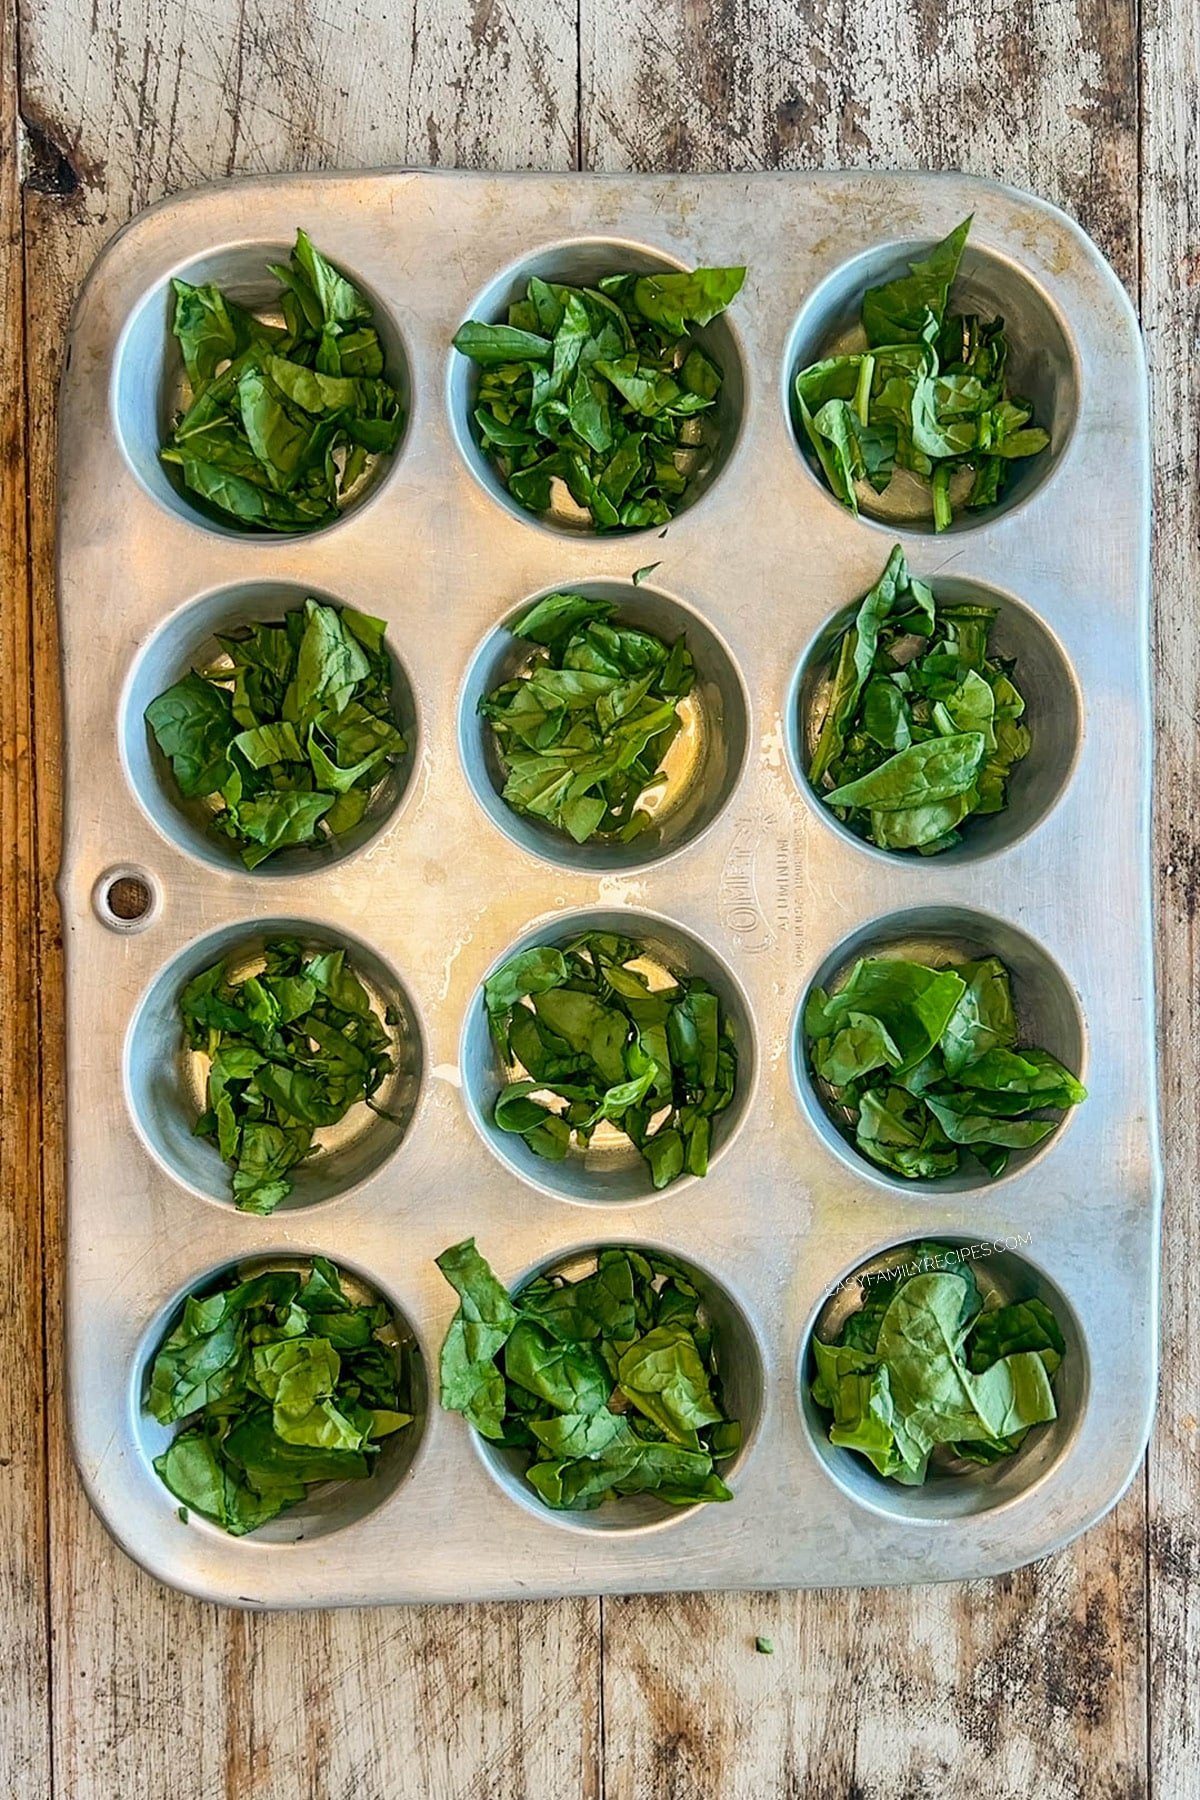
{"type": "Point", "coordinates": [126, 898]}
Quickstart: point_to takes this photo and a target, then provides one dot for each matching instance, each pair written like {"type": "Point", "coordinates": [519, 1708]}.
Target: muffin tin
{"type": "Point", "coordinates": [750, 881]}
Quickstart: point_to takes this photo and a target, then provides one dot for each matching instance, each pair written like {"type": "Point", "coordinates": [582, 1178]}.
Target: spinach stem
{"type": "Point", "coordinates": [862, 393]}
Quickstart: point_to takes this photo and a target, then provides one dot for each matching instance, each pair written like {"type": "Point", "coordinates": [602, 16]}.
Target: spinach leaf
{"type": "Point", "coordinates": [1025, 1325]}
{"type": "Point", "coordinates": [194, 726]}
{"type": "Point", "coordinates": [917, 1063]}
{"type": "Point", "coordinates": [289, 734]}
{"type": "Point", "coordinates": [926, 393]}
{"type": "Point", "coordinates": [491, 344]}
{"type": "Point", "coordinates": [663, 1375]}
{"type": "Point", "coordinates": [935, 769]}
{"type": "Point", "coordinates": [920, 730]}
{"type": "Point", "coordinates": [982, 1020]}
{"type": "Point", "coordinates": [900, 310]}
{"type": "Point", "coordinates": [212, 331]}
{"type": "Point", "coordinates": [278, 1383]}
{"type": "Point", "coordinates": [280, 423]}
{"type": "Point", "coordinates": [675, 301]}
{"type": "Point", "coordinates": [290, 1049]}
{"type": "Point", "coordinates": [608, 1383]}
{"type": "Point", "coordinates": [585, 1038]}
{"type": "Point", "coordinates": [923, 1371]}
{"type": "Point", "coordinates": [471, 1382]}
{"type": "Point", "coordinates": [583, 729]}
{"type": "Point", "coordinates": [598, 398]}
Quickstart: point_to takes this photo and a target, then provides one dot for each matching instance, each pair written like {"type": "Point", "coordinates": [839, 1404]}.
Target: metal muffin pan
{"type": "Point", "coordinates": [757, 885]}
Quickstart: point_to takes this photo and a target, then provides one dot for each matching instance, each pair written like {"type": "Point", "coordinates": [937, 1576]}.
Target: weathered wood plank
{"type": "Point", "coordinates": [1045, 97]}
{"type": "Point", "coordinates": [24, 1633]}
{"type": "Point", "coordinates": [1038, 1680]}
{"type": "Point", "coordinates": [1171, 315]}
{"type": "Point", "coordinates": [155, 1695]}
{"type": "Point", "coordinates": [1028, 1684]}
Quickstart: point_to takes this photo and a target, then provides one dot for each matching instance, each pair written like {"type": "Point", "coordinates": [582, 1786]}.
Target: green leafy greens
{"type": "Point", "coordinates": [582, 732]}
{"type": "Point", "coordinates": [280, 1381]}
{"type": "Point", "coordinates": [288, 735]}
{"type": "Point", "coordinates": [923, 1063]}
{"type": "Point", "coordinates": [924, 1367]}
{"type": "Point", "coordinates": [282, 420]}
{"type": "Point", "coordinates": [928, 392]}
{"type": "Point", "coordinates": [588, 1029]}
{"type": "Point", "coordinates": [602, 391]}
{"type": "Point", "coordinates": [290, 1048]}
{"type": "Point", "coordinates": [921, 727]}
{"type": "Point", "coordinates": [609, 1382]}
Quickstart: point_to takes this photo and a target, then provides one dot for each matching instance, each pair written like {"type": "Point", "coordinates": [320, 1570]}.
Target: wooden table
{"type": "Point", "coordinates": [1076, 1677]}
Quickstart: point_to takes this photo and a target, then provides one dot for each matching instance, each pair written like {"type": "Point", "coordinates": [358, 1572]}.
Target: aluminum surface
{"type": "Point", "coordinates": [765, 558]}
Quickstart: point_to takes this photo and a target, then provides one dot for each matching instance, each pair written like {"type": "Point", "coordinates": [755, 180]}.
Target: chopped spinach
{"type": "Point", "coordinates": [583, 730]}
{"type": "Point", "coordinates": [921, 727]}
{"type": "Point", "coordinates": [280, 1381]}
{"type": "Point", "coordinates": [925, 1367]}
{"type": "Point", "coordinates": [288, 735]}
{"type": "Point", "coordinates": [927, 392]}
{"type": "Point", "coordinates": [586, 1027]}
{"type": "Point", "coordinates": [601, 392]}
{"type": "Point", "coordinates": [609, 1382]}
{"type": "Point", "coordinates": [923, 1063]}
{"type": "Point", "coordinates": [290, 1048]}
{"type": "Point", "coordinates": [282, 420]}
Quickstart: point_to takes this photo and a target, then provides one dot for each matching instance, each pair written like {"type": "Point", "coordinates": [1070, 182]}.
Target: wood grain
{"type": "Point", "coordinates": [24, 1640]}
{"type": "Point", "coordinates": [1170, 206]}
{"type": "Point", "coordinates": [1042, 96]}
{"type": "Point", "coordinates": [1030, 1684]}
{"type": "Point", "coordinates": [1073, 1678]}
